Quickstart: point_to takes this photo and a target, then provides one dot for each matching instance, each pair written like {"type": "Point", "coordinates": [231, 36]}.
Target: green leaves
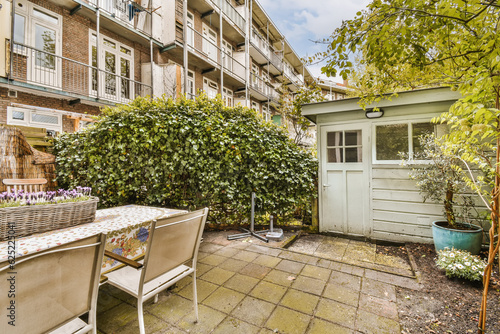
{"type": "Point", "coordinates": [187, 154]}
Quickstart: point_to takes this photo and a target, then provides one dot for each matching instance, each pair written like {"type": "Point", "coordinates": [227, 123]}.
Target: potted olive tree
{"type": "Point", "coordinates": [440, 179]}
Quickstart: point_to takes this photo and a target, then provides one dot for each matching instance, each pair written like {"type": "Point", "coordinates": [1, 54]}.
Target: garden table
{"type": "Point", "coordinates": [127, 229]}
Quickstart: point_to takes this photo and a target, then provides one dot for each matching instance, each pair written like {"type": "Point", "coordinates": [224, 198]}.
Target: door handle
{"type": "Point", "coordinates": [326, 185]}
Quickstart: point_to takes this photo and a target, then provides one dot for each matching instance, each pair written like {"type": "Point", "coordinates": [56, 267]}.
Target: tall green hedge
{"type": "Point", "coordinates": [187, 154]}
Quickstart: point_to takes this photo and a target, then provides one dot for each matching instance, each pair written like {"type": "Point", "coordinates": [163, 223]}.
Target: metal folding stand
{"type": "Point", "coordinates": [251, 232]}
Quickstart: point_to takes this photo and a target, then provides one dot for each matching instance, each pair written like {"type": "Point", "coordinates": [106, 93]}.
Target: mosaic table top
{"type": "Point", "coordinates": [127, 229]}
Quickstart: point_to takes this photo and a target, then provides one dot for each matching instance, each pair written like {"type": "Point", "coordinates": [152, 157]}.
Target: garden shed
{"type": "Point", "coordinates": [363, 188]}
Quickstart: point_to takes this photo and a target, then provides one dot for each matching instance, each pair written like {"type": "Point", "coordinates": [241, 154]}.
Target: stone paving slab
{"type": "Point", "coordinates": [246, 286]}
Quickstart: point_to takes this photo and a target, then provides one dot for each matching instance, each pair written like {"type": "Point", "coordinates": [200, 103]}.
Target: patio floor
{"type": "Point", "coordinates": [319, 285]}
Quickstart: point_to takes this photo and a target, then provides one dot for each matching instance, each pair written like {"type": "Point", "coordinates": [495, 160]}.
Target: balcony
{"type": "Point", "coordinates": [295, 79]}
{"type": "Point", "coordinates": [231, 13]}
{"type": "Point", "coordinates": [262, 89]}
{"type": "Point", "coordinates": [127, 12]}
{"type": "Point", "coordinates": [266, 53]}
{"type": "Point", "coordinates": [209, 55]}
{"type": "Point", "coordinates": [49, 72]}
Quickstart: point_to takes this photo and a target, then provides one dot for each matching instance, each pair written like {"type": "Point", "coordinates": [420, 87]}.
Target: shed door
{"type": "Point", "coordinates": [344, 179]}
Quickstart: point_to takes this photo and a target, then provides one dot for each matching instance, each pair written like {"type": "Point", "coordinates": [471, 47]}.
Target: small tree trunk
{"type": "Point", "coordinates": [448, 205]}
{"type": "Point", "coordinates": [493, 250]}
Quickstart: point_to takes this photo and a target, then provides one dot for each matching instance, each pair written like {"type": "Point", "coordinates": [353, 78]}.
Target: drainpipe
{"type": "Point", "coordinates": [268, 65]}
{"type": "Point", "coordinates": [247, 53]}
{"type": "Point", "coordinates": [97, 42]}
{"type": "Point", "coordinates": [185, 53]}
{"type": "Point", "coordinates": [11, 55]}
{"type": "Point", "coordinates": [151, 50]}
{"type": "Point", "coordinates": [221, 53]}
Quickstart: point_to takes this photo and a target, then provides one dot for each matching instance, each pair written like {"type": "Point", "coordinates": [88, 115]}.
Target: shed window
{"type": "Point", "coordinates": [344, 146]}
{"type": "Point", "coordinates": [394, 139]}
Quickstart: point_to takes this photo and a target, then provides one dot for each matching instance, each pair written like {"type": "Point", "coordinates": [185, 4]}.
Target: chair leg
{"type": "Point", "coordinates": [195, 297]}
{"type": "Point", "coordinates": [140, 312]}
{"type": "Point", "coordinates": [156, 299]}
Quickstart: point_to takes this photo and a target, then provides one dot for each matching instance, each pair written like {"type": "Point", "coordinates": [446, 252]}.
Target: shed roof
{"type": "Point", "coordinates": [420, 96]}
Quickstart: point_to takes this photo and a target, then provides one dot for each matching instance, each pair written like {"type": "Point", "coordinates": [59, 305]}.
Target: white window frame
{"type": "Point", "coordinates": [227, 96]}
{"type": "Point", "coordinates": [266, 112]}
{"type": "Point", "coordinates": [255, 106]}
{"type": "Point", "coordinates": [210, 87]}
{"type": "Point", "coordinates": [26, 9]}
{"type": "Point", "coordinates": [27, 121]}
{"type": "Point", "coordinates": [101, 75]}
{"type": "Point", "coordinates": [409, 138]}
{"type": "Point", "coordinates": [191, 90]}
{"type": "Point", "coordinates": [190, 31]}
{"type": "Point", "coordinates": [227, 49]}
{"type": "Point", "coordinates": [209, 46]}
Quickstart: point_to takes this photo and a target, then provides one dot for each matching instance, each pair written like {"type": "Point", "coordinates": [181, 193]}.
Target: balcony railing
{"type": "Point", "coordinates": [295, 78]}
{"type": "Point", "coordinates": [207, 49]}
{"type": "Point", "coordinates": [262, 87]}
{"type": "Point", "coordinates": [231, 13]}
{"type": "Point", "coordinates": [49, 70]}
{"type": "Point", "coordinates": [267, 50]}
{"type": "Point", "coordinates": [128, 12]}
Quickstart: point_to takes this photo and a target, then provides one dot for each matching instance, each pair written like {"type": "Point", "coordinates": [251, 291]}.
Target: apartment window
{"type": "Point", "coordinates": [41, 30]}
{"type": "Point", "coordinates": [191, 93]}
{"type": "Point", "coordinates": [209, 42]}
{"type": "Point", "coordinates": [227, 96]}
{"type": "Point", "coordinates": [255, 106]}
{"type": "Point", "coordinates": [114, 80]}
{"type": "Point", "coordinates": [190, 30]}
{"type": "Point", "coordinates": [255, 76]}
{"type": "Point", "coordinates": [210, 87]}
{"type": "Point", "coordinates": [228, 49]}
{"type": "Point", "coordinates": [37, 119]}
{"type": "Point", "coordinates": [267, 83]}
{"type": "Point", "coordinates": [393, 139]}
{"type": "Point", "coordinates": [266, 113]}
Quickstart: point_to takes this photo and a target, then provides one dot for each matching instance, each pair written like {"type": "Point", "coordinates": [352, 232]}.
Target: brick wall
{"type": "Point", "coordinates": [45, 102]}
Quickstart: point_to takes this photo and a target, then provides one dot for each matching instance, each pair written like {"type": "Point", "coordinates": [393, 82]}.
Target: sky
{"type": "Point", "coordinates": [305, 21]}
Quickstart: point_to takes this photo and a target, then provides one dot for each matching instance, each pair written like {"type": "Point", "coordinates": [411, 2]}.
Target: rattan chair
{"type": "Point", "coordinates": [50, 290]}
{"type": "Point", "coordinates": [28, 185]}
{"type": "Point", "coordinates": [171, 255]}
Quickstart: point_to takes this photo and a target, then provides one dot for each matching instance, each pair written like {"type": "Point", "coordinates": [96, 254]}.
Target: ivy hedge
{"type": "Point", "coordinates": [187, 154]}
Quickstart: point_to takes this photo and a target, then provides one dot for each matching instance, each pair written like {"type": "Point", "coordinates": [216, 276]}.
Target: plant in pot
{"type": "Point", "coordinates": [440, 179]}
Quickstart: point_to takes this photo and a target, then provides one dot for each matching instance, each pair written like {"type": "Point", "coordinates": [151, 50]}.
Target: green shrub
{"type": "Point", "coordinates": [459, 263]}
{"type": "Point", "coordinates": [187, 154]}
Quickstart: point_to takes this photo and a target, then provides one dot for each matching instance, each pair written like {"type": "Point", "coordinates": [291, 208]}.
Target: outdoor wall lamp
{"type": "Point", "coordinates": [370, 113]}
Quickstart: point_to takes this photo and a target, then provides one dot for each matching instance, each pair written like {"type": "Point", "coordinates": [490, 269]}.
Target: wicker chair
{"type": "Point", "coordinates": [28, 185]}
{"type": "Point", "coordinates": [53, 288]}
{"type": "Point", "coordinates": [171, 255]}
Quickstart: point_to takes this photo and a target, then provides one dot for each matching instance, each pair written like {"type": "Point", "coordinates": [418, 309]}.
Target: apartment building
{"type": "Point", "coordinates": [231, 48]}
{"type": "Point", "coordinates": [65, 59]}
{"type": "Point", "coordinates": [332, 90]}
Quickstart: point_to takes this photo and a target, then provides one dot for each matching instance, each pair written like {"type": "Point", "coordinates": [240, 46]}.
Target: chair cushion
{"type": "Point", "coordinates": [127, 279]}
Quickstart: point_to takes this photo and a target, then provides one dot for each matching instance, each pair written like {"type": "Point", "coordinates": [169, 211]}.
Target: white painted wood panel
{"type": "Point", "coordinates": [398, 184]}
{"type": "Point", "coordinates": [421, 219]}
{"type": "Point", "coordinates": [355, 202]}
{"type": "Point", "coordinates": [410, 207]}
{"type": "Point", "coordinates": [400, 228]}
{"type": "Point", "coordinates": [397, 195]}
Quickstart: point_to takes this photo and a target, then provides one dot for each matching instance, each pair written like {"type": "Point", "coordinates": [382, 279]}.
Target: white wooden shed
{"type": "Point", "coordinates": [363, 189]}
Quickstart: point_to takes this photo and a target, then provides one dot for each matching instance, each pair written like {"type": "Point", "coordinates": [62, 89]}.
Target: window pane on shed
{"type": "Point", "coordinates": [420, 129]}
{"type": "Point", "coordinates": [353, 154]}
{"type": "Point", "coordinates": [353, 138]}
{"type": "Point", "coordinates": [391, 139]}
{"type": "Point", "coordinates": [334, 138]}
{"type": "Point", "coordinates": [335, 155]}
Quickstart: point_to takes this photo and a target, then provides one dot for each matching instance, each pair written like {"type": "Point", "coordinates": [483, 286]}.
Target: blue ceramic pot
{"type": "Point", "coordinates": [469, 240]}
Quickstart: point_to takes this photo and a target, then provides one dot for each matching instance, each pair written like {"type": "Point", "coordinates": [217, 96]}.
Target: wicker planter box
{"type": "Point", "coordinates": [42, 218]}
